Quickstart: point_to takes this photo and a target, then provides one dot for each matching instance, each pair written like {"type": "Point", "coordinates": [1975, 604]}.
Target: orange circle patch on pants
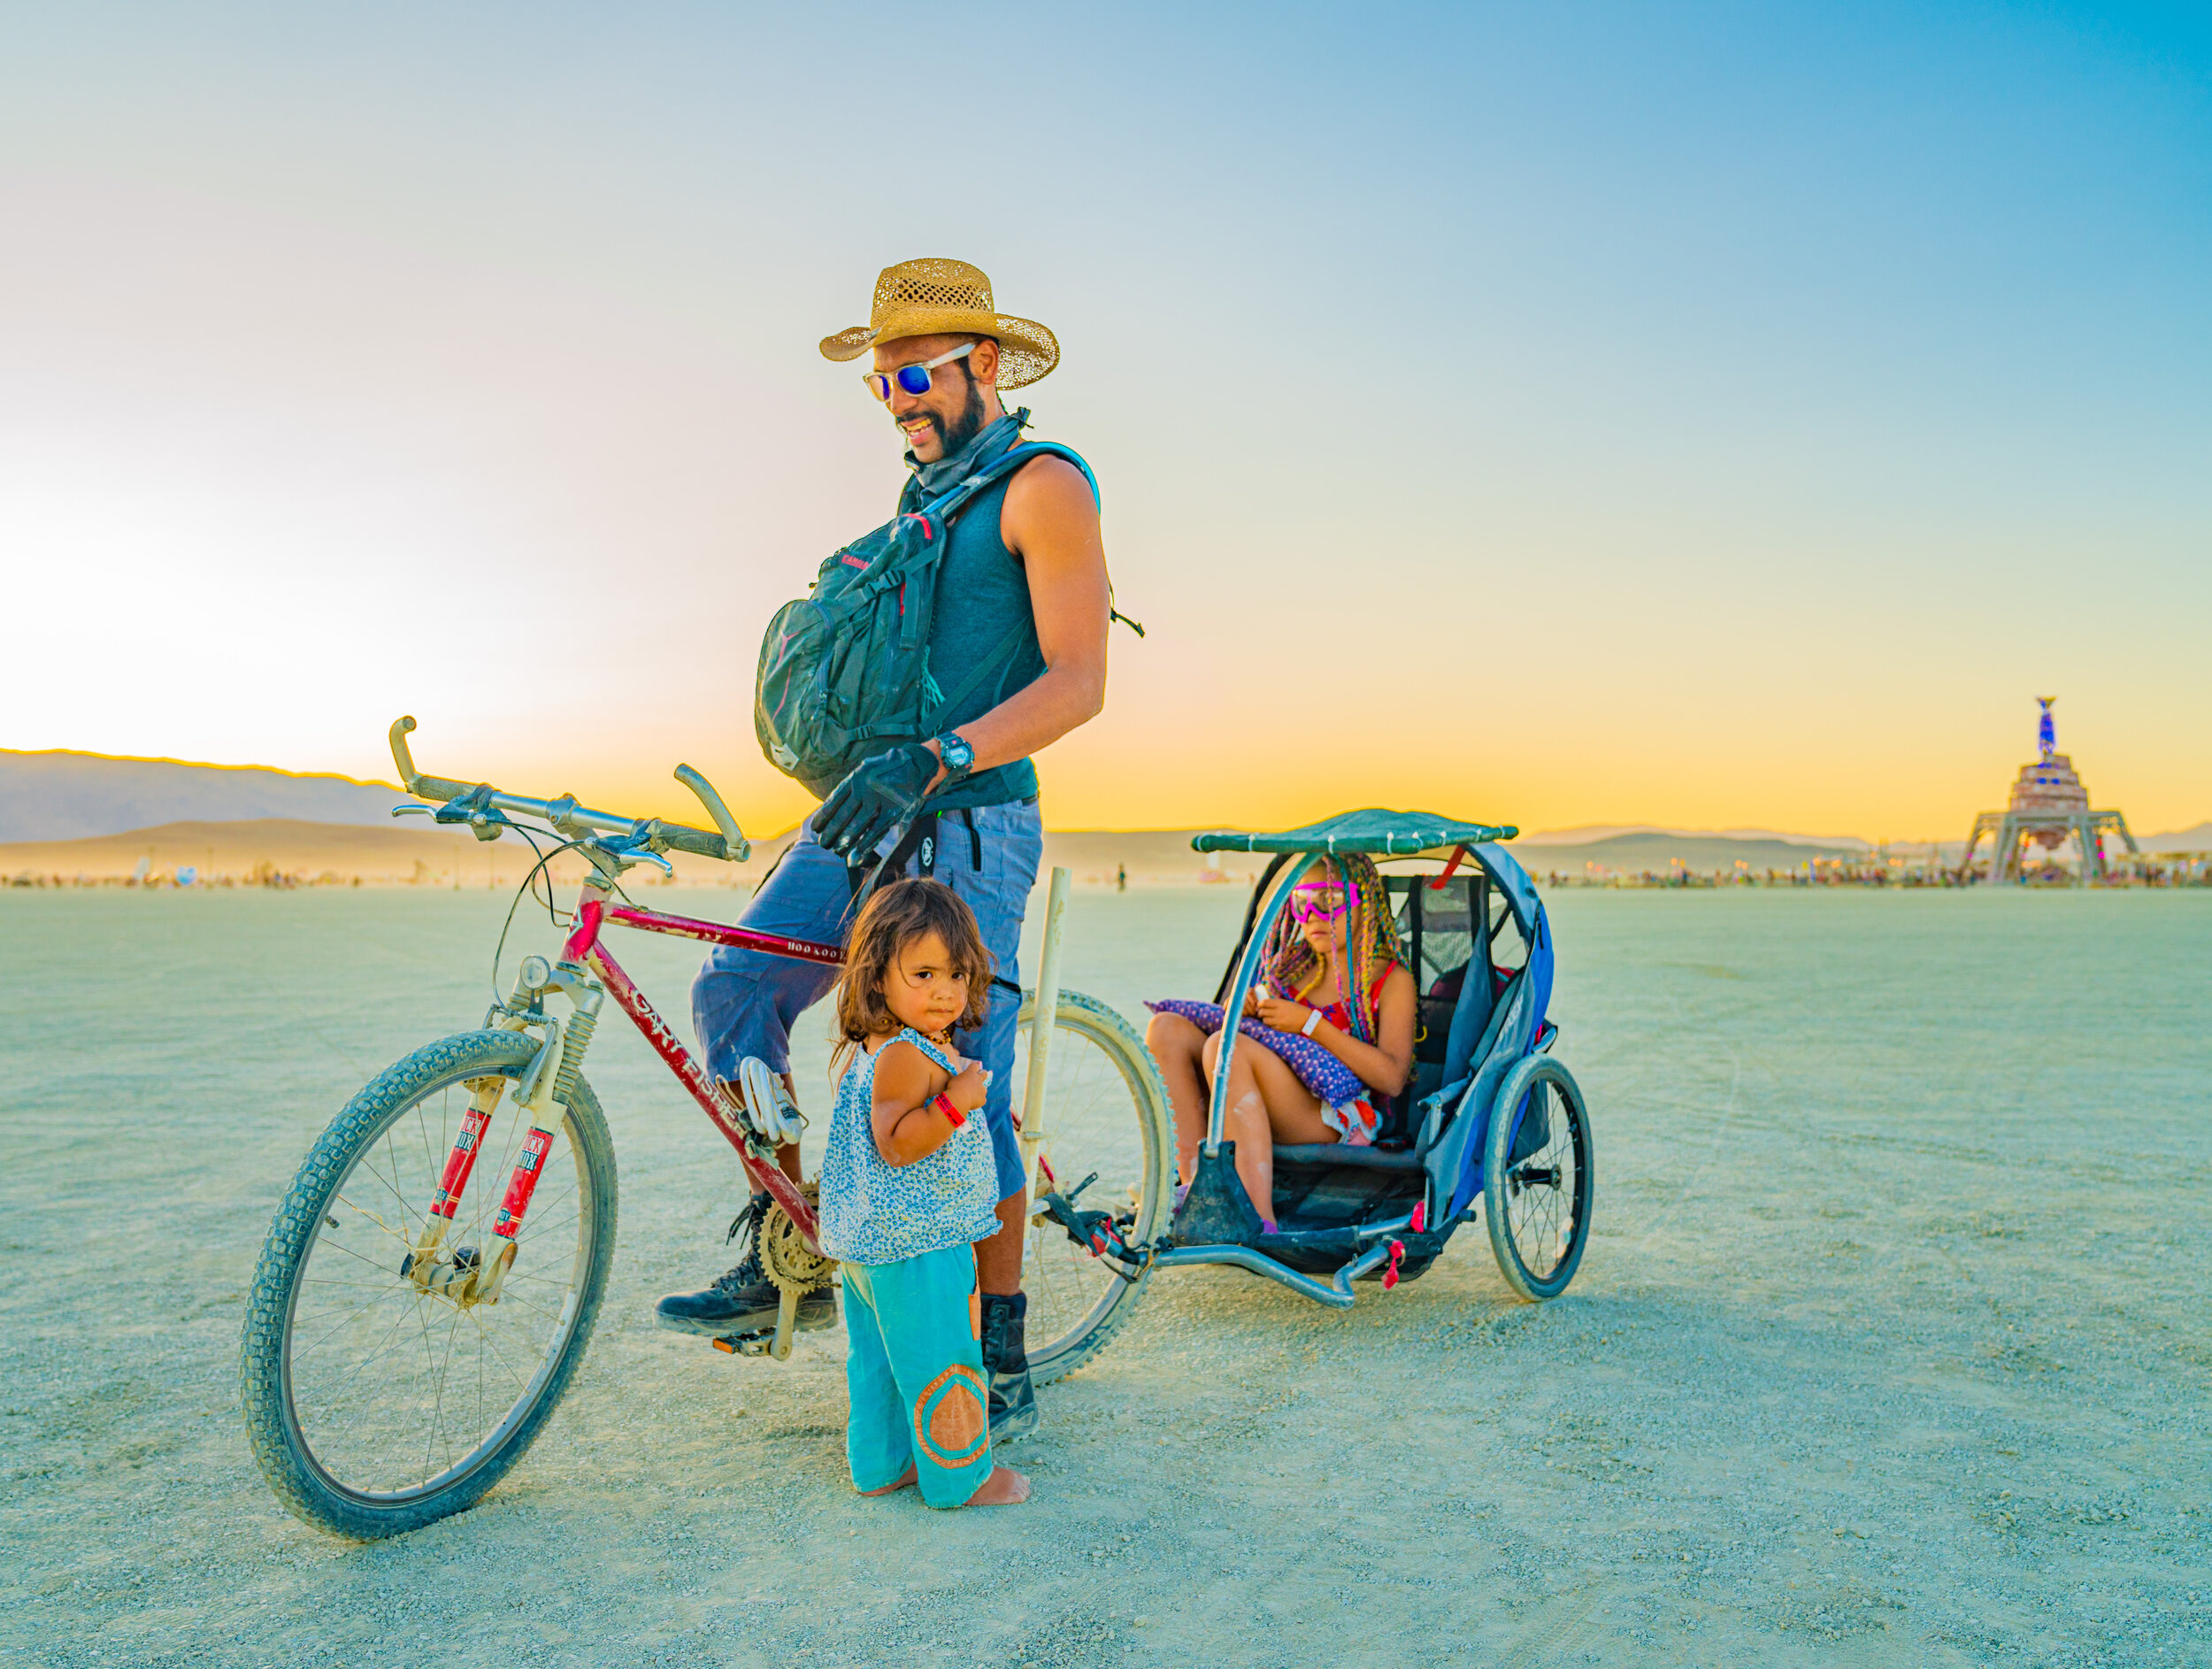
{"type": "Point", "coordinates": [951, 1425]}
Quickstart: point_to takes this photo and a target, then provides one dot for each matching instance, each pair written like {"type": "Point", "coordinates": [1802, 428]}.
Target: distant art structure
{"type": "Point", "coordinates": [2048, 805]}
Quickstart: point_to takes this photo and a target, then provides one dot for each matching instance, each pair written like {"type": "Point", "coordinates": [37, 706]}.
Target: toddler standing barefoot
{"type": "Point", "coordinates": [907, 1185]}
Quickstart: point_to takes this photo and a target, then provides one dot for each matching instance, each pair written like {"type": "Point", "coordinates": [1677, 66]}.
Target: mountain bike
{"type": "Point", "coordinates": [430, 1281]}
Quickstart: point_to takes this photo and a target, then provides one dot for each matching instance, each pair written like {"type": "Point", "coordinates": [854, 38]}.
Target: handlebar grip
{"type": "Point", "coordinates": [423, 788]}
{"type": "Point", "coordinates": [735, 847]}
{"type": "Point", "coordinates": [692, 839]}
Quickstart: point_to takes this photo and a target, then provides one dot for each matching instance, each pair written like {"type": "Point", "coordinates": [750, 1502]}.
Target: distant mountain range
{"type": "Point", "coordinates": [1590, 834]}
{"type": "Point", "coordinates": [2181, 840]}
{"type": "Point", "coordinates": [1658, 850]}
{"type": "Point", "coordinates": [60, 795]}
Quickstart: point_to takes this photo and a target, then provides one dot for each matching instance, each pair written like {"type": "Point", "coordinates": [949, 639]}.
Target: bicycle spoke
{"type": "Point", "coordinates": [438, 1406]}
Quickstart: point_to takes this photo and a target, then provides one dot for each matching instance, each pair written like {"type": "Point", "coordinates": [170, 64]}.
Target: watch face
{"type": "Point", "coordinates": [958, 754]}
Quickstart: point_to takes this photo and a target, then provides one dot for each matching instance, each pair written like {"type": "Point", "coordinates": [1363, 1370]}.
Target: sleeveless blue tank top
{"type": "Point", "coordinates": [982, 595]}
{"type": "Point", "coordinates": [874, 1213]}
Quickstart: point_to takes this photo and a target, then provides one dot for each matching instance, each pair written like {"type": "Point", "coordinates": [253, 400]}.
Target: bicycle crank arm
{"type": "Point", "coordinates": [786, 1312]}
{"type": "Point", "coordinates": [774, 1343]}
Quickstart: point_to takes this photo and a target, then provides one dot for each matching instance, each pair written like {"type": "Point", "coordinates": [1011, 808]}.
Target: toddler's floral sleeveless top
{"type": "Point", "coordinates": [878, 1213]}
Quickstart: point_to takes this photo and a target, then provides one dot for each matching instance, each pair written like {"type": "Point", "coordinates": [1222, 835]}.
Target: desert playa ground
{"type": "Point", "coordinates": [1891, 1346]}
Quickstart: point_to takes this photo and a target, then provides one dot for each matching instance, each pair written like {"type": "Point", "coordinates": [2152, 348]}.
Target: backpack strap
{"type": "Point", "coordinates": [951, 503]}
{"type": "Point", "coordinates": [955, 498]}
{"type": "Point", "coordinates": [903, 559]}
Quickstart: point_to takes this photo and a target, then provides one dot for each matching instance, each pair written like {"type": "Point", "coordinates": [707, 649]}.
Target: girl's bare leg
{"type": "Point", "coordinates": [1175, 1043]}
{"type": "Point", "coordinates": [1266, 1100]}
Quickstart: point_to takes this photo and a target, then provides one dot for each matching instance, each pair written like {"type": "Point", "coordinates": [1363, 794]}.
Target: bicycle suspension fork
{"type": "Point", "coordinates": [544, 1091]}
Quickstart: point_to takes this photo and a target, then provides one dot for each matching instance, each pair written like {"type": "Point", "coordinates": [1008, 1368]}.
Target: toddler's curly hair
{"type": "Point", "coordinates": [897, 914]}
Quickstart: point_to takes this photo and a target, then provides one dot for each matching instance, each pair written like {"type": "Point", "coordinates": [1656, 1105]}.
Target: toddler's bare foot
{"type": "Point", "coordinates": [906, 1482]}
{"type": "Point", "coordinates": [1004, 1487]}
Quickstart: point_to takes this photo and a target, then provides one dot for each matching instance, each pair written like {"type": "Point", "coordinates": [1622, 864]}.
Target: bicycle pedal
{"type": "Point", "coordinates": [746, 1343]}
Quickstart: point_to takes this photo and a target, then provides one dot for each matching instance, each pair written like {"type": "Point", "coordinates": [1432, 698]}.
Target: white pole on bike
{"type": "Point", "coordinates": [1043, 1016]}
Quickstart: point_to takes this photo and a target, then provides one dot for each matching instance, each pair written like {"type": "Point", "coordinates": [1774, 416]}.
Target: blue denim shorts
{"type": "Point", "coordinates": [745, 1002]}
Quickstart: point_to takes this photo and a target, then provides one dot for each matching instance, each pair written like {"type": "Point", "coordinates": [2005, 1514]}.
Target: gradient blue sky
{"type": "Point", "coordinates": [1728, 415]}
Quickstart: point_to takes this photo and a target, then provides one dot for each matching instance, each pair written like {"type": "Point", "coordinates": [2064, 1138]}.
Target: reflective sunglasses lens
{"type": "Point", "coordinates": [878, 385]}
{"type": "Point", "coordinates": [913, 379]}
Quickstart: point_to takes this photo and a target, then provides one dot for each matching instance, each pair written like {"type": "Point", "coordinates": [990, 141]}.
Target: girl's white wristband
{"type": "Point", "coordinates": [1313, 1019]}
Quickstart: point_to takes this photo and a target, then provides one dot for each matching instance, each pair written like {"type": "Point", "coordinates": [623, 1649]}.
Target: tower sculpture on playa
{"type": "Point", "coordinates": [2048, 805]}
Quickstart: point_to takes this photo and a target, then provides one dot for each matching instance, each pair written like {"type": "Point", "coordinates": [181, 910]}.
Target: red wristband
{"type": "Point", "coordinates": [943, 1103]}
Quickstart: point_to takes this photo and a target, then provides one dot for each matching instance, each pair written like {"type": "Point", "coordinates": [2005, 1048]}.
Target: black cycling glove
{"type": "Point", "coordinates": [877, 795]}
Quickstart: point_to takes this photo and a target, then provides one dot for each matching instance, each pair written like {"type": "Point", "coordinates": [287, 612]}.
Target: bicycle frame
{"type": "Point", "coordinates": [584, 947]}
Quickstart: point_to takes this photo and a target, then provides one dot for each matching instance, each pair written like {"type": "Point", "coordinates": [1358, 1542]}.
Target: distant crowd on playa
{"type": "Point", "coordinates": [2175, 869]}
{"type": "Point", "coordinates": [2172, 869]}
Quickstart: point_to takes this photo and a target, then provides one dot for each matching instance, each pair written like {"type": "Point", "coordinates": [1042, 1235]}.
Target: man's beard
{"type": "Point", "coordinates": [964, 428]}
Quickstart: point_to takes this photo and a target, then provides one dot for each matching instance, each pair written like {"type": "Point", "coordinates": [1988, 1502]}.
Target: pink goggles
{"type": "Point", "coordinates": [1322, 900]}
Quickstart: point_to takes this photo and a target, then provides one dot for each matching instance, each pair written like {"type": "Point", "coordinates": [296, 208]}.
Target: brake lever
{"type": "Point", "coordinates": [413, 811]}
{"type": "Point", "coordinates": [624, 852]}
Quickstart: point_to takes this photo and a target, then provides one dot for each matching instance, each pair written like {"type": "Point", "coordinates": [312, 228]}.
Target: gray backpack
{"type": "Point", "coordinates": [844, 670]}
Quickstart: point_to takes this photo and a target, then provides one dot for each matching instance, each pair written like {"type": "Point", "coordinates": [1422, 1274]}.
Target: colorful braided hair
{"type": "Point", "coordinates": [1371, 941]}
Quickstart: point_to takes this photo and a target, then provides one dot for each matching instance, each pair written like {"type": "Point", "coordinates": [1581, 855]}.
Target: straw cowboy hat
{"type": "Point", "coordinates": [934, 297]}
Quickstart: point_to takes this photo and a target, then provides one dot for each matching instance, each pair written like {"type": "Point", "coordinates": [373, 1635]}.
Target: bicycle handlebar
{"type": "Point", "coordinates": [568, 817]}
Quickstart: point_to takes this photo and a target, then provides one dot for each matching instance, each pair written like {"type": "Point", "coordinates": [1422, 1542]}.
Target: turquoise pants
{"type": "Point", "coordinates": [914, 1369]}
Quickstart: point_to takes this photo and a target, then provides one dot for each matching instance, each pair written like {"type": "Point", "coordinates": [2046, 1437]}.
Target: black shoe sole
{"type": "Point", "coordinates": [811, 1319]}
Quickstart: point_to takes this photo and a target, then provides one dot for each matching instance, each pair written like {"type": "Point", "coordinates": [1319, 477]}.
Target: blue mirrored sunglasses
{"type": "Point", "coordinates": [912, 378]}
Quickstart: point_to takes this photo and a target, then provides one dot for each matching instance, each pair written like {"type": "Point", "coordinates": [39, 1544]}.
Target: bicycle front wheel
{"type": "Point", "coordinates": [379, 1398]}
{"type": "Point", "coordinates": [1105, 1112]}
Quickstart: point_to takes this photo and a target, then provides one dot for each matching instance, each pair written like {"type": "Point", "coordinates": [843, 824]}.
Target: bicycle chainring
{"type": "Point", "coordinates": [788, 1261]}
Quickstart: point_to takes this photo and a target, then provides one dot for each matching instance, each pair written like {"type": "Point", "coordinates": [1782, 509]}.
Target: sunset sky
{"type": "Point", "coordinates": [1716, 415]}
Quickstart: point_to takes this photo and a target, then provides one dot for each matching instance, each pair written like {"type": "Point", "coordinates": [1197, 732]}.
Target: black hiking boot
{"type": "Point", "coordinates": [1006, 1359]}
{"type": "Point", "coordinates": [744, 1300]}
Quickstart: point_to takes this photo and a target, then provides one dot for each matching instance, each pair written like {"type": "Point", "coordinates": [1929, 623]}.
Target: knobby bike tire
{"type": "Point", "coordinates": [1105, 1028]}
{"type": "Point", "coordinates": [1542, 1078]}
{"type": "Point", "coordinates": [279, 1444]}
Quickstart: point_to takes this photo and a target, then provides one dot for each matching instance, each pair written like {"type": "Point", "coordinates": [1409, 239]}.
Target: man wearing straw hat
{"type": "Point", "coordinates": [1024, 566]}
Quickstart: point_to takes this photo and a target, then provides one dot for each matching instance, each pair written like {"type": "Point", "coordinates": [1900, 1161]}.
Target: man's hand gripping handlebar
{"type": "Point", "coordinates": [486, 805]}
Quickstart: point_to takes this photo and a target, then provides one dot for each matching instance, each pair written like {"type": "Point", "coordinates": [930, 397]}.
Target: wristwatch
{"type": "Point", "coordinates": [958, 757]}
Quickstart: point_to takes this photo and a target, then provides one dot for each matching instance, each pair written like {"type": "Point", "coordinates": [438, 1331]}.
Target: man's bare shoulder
{"type": "Point", "coordinates": [1049, 483]}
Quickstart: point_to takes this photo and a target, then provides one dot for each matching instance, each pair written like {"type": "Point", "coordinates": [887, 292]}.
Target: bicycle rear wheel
{"type": "Point", "coordinates": [1539, 1179]}
{"type": "Point", "coordinates": [375, 1406]}
{"type": "Point", "coordinates": [1106, 1112]}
